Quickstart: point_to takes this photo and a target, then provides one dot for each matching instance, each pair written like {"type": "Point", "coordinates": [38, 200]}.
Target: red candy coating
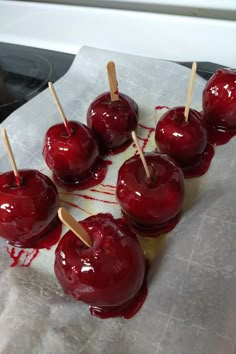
{"type": "Point", "coordinates": [150, 206]}
{"type": "Point", "coordinates": [219, 100]}
{"type": "Point", "coordinates": [71, 159]}
{"type": "Point", "coordinates": [107, 275]}
{"type": "Point", "coordinates": [27, 212]}
{"type": "Point", "coordinates": [184, 141]}
{"type": "Point", "coordinates": [112, 121]}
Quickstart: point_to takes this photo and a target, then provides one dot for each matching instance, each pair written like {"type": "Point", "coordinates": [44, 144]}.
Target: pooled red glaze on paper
{"type": "Point", "coordinates": [93, 179]}
{"type": "Point", "coordinates": [24, 258]}
{"type": "Point", "coordinates": [21, 257]}
{"type": "Point", "coordinates": [102, 192]}
{"type": "Point", "coordinates": [157, 108]}
{"type": "Point", "coordinates": [107, 185]}
{"type": "Point", "coordinates": [146, 140]}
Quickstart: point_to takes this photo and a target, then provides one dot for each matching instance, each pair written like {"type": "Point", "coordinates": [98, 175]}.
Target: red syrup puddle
{"type": "Point", "coordinates": [15, 256]}
{"type": "Point", "coordinates": [139, 137]}
{"type": "Point", "coordinates": [23, 256]}
{"type": "Point", "coordinates": [29, 257]}
{"type": "Point", "coordinates": [50, 236]}
{"type": "Point", "coordinates": [89, 197]}
{"type": "Point", "coordinates": [204, 164]}
{"type": "Point", "coordinates": [107, 185]}
{"type": "Point", "coordinates": [145, 127]}
{"type": "Point", "coordinates": [95, 178]}
{"type": "Point", "coordinates": [152, 230]}
{"type": "Point", "coordinates": [127, 310]}
{"type": "Point", "coordinates": [145, 141]}
{"type": "Point", "coordinates": [76, 206]}
{"type": "Point", "coordinates": [103, 192]}
{"type": "Point", "coordinates": [218, 136]}
{"type": "Point", "coordinates": [161, 107]}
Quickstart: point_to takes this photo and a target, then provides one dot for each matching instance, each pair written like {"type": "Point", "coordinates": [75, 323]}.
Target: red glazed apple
{"type": "Point", "coordinates": [219, 100]}
{"type": "Point", "coordinates": [71, 158]}
{"type": "Point", "coordinates": [109, 275]}
{"type": "Point", "coordinates": [150, 208]}
{"type": "Point", "coordinates": [27, 212]}
{"type": "Point", "coordinates": [184, 141]}
{"type": "Point", "coordinates": [113, 121]}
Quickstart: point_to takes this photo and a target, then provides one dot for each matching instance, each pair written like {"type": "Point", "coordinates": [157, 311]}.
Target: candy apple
{"type": "Point", "coordinates": [219, 100]}
{"type": "Point", "coordinates": [184, 141]}
{"type": "Point", "coordinates": [71, 158]}
{"type": "Point", "coordinates": [113, 121]}
{"type": "Point", "coordinates": [29, 211]}
{"type": "Point", "coordinates": [106, 276]}
{"type": "Point", "coordinates": [151, 208]}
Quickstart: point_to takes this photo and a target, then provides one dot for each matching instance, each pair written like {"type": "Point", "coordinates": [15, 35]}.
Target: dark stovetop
{"type": "Point", "coordinates": [25, 71]}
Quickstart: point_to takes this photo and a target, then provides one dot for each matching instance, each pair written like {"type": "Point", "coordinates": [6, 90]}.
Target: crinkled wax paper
{"type": "Point", "coordinates": [191, 304]}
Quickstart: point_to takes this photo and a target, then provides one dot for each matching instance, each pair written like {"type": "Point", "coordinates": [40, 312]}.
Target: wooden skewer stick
{"type": "Point", "coordinates": [59, 107]}
{"type": "Point", "coordinates": [111, 72]}
{"type": "Point", "coordinates": [11, 156]}
{"type": "Point", "coordinates": [190, 91]}
{"type": "Point", "coordinates": [68, 220]}
{"type": "Point", "coordinates": [135, 140]}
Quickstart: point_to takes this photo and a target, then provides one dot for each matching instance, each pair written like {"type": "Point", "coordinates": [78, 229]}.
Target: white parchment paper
{"type": "Point", "coordinates": [191, 304]}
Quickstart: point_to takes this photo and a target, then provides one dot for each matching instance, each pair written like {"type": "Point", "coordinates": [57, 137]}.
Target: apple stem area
{"type": "Point", "coordinates": [190, 90]}
{"type": "Point", "coordinates": [111, 72]}
{"type": "Point", "coordinates": [59, 107]}
{"type": "Point", "coordinates": [11, 157]}
{"type": "Point", "coordinates": [141, 154]}
{"type": "Point", "coordinates": [68, 220]}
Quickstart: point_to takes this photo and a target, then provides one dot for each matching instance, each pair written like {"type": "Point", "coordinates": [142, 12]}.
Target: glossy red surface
{"type": "Point", "coordinates": [95, 177]}
{"type": "Point", "coordinates": [204, 163]}
{"type": "Point", "coordinates": [112, 121]}
{"type": "Point", "coordinates": [217, 136]}
{"type": "Point", "coordinates": [28, 212]}
{"type": "Point", "coordinates": [52, 235]}
{"type": "Point", "coordinates": [152, 207]}
{"type": "Point", "coordinates": [127, 310]}
{"type": "Point", "coordinates": [150, 230]}
{"type": "Point", "coordinates": [219, 100]}
{"type": "Point", "coordinates": [71, 159]}
{"type": "Point", "coordinates": [184, 141]}
{"type": "Point", "coordinates": [110, 273]}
